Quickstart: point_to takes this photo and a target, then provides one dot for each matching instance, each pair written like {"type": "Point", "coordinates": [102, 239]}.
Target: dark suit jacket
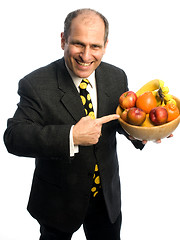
{"type": "Point", "coordinates": [49, 106]}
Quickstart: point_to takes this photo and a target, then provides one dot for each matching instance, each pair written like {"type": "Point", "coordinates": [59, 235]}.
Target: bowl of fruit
{"type": "Point", "coordinates": [151, 113]}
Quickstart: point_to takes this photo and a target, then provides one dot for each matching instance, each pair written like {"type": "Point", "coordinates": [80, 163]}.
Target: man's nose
{"type": "Point", "coordinates": [86, 54]}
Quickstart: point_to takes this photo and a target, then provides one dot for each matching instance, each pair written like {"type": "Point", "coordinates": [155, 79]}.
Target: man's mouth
{"type": "Point", "coordinates": [83, 63]}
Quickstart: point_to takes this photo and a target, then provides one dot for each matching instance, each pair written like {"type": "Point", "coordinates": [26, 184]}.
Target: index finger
{"type": "Point", "coordinates": [107, 118]}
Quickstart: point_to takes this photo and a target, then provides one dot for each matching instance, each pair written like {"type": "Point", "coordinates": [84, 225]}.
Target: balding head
{"type": "Point", "coordinates": [87, 15]}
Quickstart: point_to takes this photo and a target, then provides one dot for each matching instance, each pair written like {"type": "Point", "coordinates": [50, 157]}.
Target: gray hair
{"type": "Point", "coordinates": [74, 14]}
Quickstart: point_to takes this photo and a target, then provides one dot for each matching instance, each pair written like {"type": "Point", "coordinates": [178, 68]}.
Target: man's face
{"type": "Point", "coordinates": [85, 45]}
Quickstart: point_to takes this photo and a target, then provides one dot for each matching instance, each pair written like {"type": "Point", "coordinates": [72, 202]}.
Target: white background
{"type": "Point", "coordinates": [144, 40]}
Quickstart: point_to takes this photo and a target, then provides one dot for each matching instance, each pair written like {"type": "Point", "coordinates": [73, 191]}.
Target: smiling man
{"type": "Point", "coordinates": [66, 120]}
{"type": "Point", "coordinates": [85, 46]}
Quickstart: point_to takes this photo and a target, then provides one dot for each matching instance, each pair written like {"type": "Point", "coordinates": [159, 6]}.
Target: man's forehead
{"type": "Point", "coordinates": [91, 25]}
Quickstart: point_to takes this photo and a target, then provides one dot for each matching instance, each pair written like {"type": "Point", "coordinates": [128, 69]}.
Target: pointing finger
{"type": "Point", "coordinates": [107, 118]}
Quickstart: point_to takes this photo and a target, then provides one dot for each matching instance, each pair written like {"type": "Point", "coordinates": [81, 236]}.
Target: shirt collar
{"type": "Point", "coordinates": [78, 80]}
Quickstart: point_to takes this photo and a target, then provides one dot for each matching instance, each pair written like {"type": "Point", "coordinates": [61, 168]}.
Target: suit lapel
{"type": "Point", "coordinates": [69, 95]}
{"type": "Point", "coordinates": [102, 93]}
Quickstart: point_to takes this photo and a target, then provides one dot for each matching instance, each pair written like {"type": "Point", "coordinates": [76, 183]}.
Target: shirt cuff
{"type": "Point", "coordinates": [73, 148]}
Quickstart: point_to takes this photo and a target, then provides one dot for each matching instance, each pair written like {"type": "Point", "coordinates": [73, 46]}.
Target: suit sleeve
{"type": "Point", "coordinates": [137, 144]}
{"type": "Point", "coordinates": [28, 135]}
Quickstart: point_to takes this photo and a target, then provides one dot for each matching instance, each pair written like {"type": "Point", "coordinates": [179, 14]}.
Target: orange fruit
{"type": "Point", "coordinates": [146, 102]}
{"type": "Point", "coordinates": [173, 111]}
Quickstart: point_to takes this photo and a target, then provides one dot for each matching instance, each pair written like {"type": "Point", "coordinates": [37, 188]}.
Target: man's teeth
{"type": "Point", "coordinates": [84, 64]}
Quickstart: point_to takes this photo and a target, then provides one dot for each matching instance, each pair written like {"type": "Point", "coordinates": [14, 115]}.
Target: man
{"type": "Point", "coordinates": [51, 125]}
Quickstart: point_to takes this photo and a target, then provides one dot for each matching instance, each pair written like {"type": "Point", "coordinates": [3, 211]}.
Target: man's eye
{"type": "Point", "coordinates": [78, 44]}
{"type": "Point", "coordinates": [96, 46]}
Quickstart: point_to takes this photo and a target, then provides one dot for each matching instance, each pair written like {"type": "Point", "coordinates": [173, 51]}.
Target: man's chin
{"type": "Point", "coordinates": [83, 74]}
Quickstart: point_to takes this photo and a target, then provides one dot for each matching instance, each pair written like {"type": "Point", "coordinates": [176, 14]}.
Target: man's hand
{"type": "Point", "coordinates": [88, 131]}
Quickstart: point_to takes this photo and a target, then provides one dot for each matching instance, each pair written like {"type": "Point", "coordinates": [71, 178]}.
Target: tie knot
{"type": "Point", "coordinates": [84, 83]}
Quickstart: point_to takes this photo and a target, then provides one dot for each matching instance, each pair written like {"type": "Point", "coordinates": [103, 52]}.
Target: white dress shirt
{"type": "Point", "coordinates": [91, 88]}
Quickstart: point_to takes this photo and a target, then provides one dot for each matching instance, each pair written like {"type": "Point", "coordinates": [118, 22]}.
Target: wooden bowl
{"type": "Point", "coordinates": [150, 133]}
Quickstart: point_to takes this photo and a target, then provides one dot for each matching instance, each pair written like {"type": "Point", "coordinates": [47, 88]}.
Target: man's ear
{"type": "Point", "coordinates": [62, 41]}
{"type": "Point", "coordinates": [105, 46]}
